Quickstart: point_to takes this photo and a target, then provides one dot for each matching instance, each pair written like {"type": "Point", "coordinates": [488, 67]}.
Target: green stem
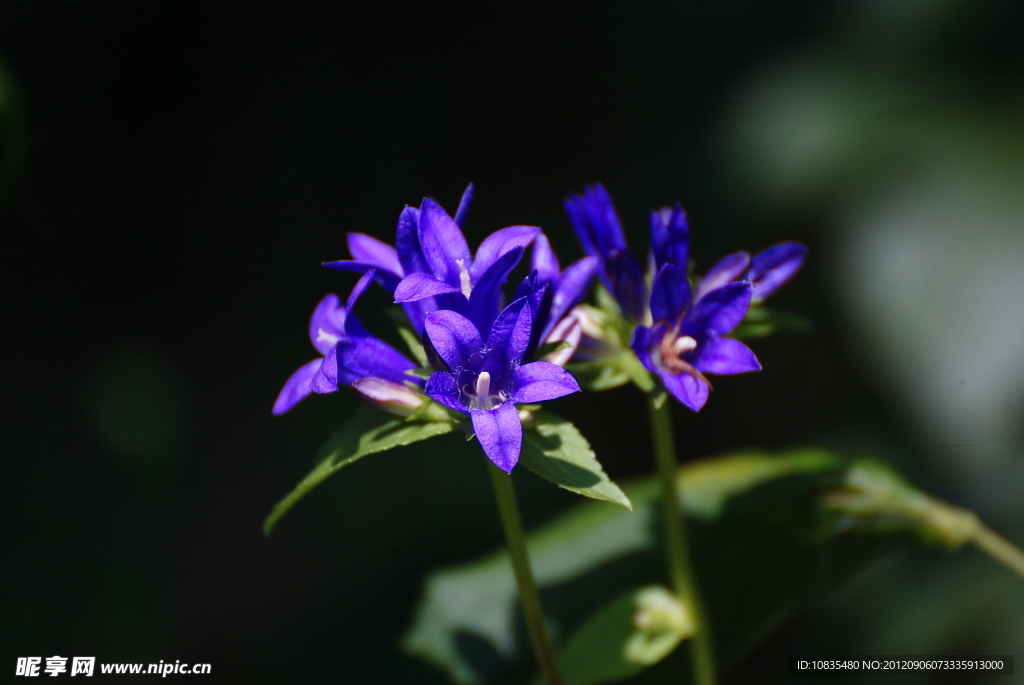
{"type": "Point", "coordinates": [684, 581]}
{"type": "Point", "coordinates": [999, 548]}
{"type": "Point", "coordinates": [528, 596]}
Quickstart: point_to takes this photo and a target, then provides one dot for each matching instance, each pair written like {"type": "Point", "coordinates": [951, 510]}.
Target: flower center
{"type": "Point", "coordinates": [481, 396]}
{"type": "Point", "coordinates": [672, 348]}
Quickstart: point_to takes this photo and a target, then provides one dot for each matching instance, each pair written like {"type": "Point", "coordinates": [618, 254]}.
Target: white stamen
{"type": "Point", "coordinates": [321, 334]}
{"type": "Point", "coordinates": [683, 343]}
{"type": "Point", "coordinates": [467, 287]}
{"type": "Point", "coordinates": [483, 387]}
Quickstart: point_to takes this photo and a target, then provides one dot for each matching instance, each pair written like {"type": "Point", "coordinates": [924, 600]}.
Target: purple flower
{"type": "Point", "coordinates": [686, 339]}
{"type": "Point", "coordinates": [596, 223]}
{"type": "Point", "coordinates": [439, 266]}
{"type": "Point", "coordinates": [351, 356]}
{"type": "Point", "coordinates": [486, 379]}
{"type": "Point", "coordinates": [567, 287]}
{"type": "Point", "coordinates": [392, 265]}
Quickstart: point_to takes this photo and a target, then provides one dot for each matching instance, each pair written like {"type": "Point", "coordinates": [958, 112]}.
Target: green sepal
{"type": "Point", "coordinates": [554, 449]}
{"type": "Point", "coordinates": [368, 432]}
{"type": "Point", "coordinates": [412, 341]}
{"type": "Point", "coordinates": [761, 322]}
{"type": "Point", "coordinates": [548, 348]}
{"type": "Point", "coordinates": [423, 373]}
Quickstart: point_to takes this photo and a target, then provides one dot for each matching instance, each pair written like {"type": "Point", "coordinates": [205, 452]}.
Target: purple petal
{"type": "Point", "coordinates": [670, 237]}
{"type": "Point", "coordinates": [500, 242]}
{"type": "Point", "coordinates": [444, 246]}
{"type": "Point", "coordinates": [626, 282]}
{"type": "Point", "coordinates": [511, 331]}
{"type": "Point", "coordinates": [544, 261]}
{"type": "Point", "coordinates": [727, 270]}
{"type": "Point", "coordinates": [644, 339]}
{"type": "Point", "coordinates": [369, 250]}
{"type": "Point", "coordinates": [370, 357]}
{"type": "Point", "coordinates": [485, 299]}
{"type": "Point", "coordinates": [407, 242]}
{"type": "Point", "coordinates": [595, 221]}
{"type": "Point", "coordinates": [540, 381]}
{"type": "Point", "coordinates": [327, 325]}
{"type": "Point", "coordinates": [770, 269]}
{"type": "Point", "coordinates": [572, 286]}
{"type": "Point", "coordinates": [443, 388]}
{"type": "Point", "coordinates": [670, 294]}
{"type": "Point", "coordinates": [500, 433]}
{"type": "Point", "coordinates": [720, 310]}
{"type": "Point", "coordinates": [418, 286]}
{"type": "Point", "coordinates": [454, 337]}
{"type": "Point", "coordinates": [726, 356]}
{"type": "Point", "coordinates": [464, 203]}
{"type": "Point", "coordinates": [690, 390]}
{"type": "Point", "coordinates": [325, 380]}
{"type": "Point", "coordinates": [357, 291]}
{"type": "Point", "coordinates": [296, 387]}
{"type": "Point", "coordinates": [387, 279]}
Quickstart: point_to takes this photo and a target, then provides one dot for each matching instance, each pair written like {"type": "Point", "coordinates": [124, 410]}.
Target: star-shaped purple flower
{"type": "Point", "coordinates": [486, 379]}
{"type": "Point", "coordinates": [392, 264]}
{"type": "Point", "coordinates": [351, 356]}
{"type": "Point", "coordinates": [439, 265]}
{"type": "Point", "coordinates": [687, 339]}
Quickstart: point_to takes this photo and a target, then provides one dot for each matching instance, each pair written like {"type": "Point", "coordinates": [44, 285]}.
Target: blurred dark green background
{"type": "Point", "coordinates": [174, 173]}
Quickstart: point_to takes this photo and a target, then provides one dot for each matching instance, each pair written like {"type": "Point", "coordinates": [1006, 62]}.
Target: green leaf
{"type": "Point", "coordinates": [597, 375]}
{"type": "Point", "coordinates": [368, 432]}
{"type": "Point", "coordinates": [412, 341]}
{"type": "Point", "coordinates": [548, 348]}
{"type": "Point", "coordinates": [767, 532]}
{"type": "Point", "coordinates": [633, 631]}
{"type": "Point", "coordinates": [554, 449]}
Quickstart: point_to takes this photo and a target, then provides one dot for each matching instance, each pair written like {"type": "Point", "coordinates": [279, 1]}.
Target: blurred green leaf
{"type": "Point", "coordinates": [767, 531]}
{"type": "Point", "coordinates": [760, 322]}
{"type": "Point", "coordinates": [554, 449]}
{"type": "Point", "coordinates": [621, 639]}
{"type": "Point", "coordinates": [548, 348]}
{"type": "Point", "coordinates": [368, 432]}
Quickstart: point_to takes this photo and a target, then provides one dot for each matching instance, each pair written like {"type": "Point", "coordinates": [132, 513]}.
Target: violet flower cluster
{"type": "Point", "coordinates": [478, 346]}
{"type": "Point", "coordinates": [680, 327]}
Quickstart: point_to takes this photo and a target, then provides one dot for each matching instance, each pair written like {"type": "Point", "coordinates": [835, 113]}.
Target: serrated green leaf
{"type": "Point", "coordinates": [368, 432]}
{"type": "Point", "coordinates": [766, 533]}
{"type": "Point", "coordinates": [554, 449]}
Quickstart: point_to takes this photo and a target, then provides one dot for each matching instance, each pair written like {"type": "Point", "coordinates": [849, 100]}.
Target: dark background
{"type": "Point", "coordinates": [189, 165]}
